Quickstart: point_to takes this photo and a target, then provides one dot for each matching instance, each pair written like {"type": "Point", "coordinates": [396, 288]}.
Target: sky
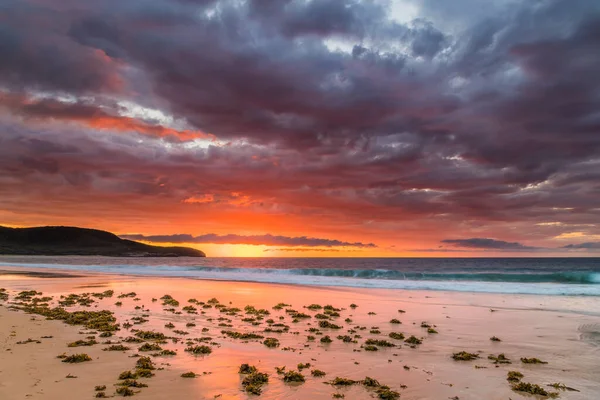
{"type": "Point", "coordinates": [354, 128]}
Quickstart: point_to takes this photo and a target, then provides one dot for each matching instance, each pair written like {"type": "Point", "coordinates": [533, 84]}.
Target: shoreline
{"type": "Point", "coordinates": [464, 322]}
{"type": "Point", "coordinates": [578, 283]}
{"type": "Point", "coordinates": [529, 299]}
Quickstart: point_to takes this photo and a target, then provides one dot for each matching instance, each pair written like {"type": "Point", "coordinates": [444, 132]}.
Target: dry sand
{"type": "Point", "coordinates": [549, 328]}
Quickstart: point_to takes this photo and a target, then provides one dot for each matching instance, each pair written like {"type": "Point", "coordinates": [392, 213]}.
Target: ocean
{"type": "Point", "coordinates": [543, 276]}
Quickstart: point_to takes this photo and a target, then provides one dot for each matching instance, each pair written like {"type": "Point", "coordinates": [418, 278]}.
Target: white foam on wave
{"type": "Point", "coordinates": [250, 275]}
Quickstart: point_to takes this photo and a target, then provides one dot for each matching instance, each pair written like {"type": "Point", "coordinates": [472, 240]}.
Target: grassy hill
{"type": "Point", "coordinates": [65, 240]}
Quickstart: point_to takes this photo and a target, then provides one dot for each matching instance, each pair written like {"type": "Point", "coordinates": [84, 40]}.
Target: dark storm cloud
{"type": "Point", "coordinates": [494, 120]}
{"type": "Point", "coordinates": [268, 240]}
{"type": "Point", "coordinates": [584, 246]}
{"type": "Point", "coordinates": [488, 244]}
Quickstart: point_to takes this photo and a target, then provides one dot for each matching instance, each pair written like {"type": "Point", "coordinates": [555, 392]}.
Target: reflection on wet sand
{"type": "Point", "coordinates": [189, 338]}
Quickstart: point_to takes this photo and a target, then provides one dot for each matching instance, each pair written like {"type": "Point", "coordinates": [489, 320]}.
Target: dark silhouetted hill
{"type": "Point", "coordinates": [65, 240]}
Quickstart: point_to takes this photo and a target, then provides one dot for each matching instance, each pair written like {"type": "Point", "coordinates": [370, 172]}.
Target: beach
{"type": "Point", "coordinates": [560, 331]}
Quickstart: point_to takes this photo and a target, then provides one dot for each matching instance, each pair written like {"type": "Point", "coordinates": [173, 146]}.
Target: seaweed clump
{"type": "Point", "coordinates": [271, 342]}
{"type": "Point", "coordinates": [326, 339]}
{"type": "Point", "coordinates": [337, 381]}
{"type": "Point", "coordinates": [150, 335]}
{"type": "Point", "coordinates": [317, 373]}
{"type": "Point", "coordinates": [253, 382]}
{"type": "Point", "coordinates": [413, 340]}
{"type": "Point", "coordinates": [379, 342]}
{"type": "Point", "coordinates": [77, 358]}
{"type": "Point", "coordinates": [116, 347]}
{"type": "Point", "coordinates": [125, 391]}
{"type": "Point", "coordinates": [396, 335]}
{"type": "Point", "coordinates": [385, 393]}
{"type": "Point", "coordinates": [188, 375]}
{"type": "Point", "coordinates": [247, 369]}
{"type": "Point", "coordinates": [293, 376]}
{"type": "Point", "coordinates": [464, 356]}
{"type": "Point", "coordinates": [327, 324]}
{"type": "Point", "coordinates": [103, 321]}
{"type": "Point", "coordinates": [132, 383]}
{"type": "Point", "coordinates": [150, 347]}
{"type": "Point", "coordinates": [202, 349]}
{"type": "Point", "coordinates": [144, 363]}
{"type": "Point", "coordinates": [514, 376]}
{"type": "Point", "coordinates": [532, 360]}
{"type": "Point", "coordinates": [79, 343]}
{"type": "Point", "coordinates": [243, 336]}
{"type": "Point", "coordinates": [499, 359]}
{"type": "Point", "coordinates": [532, 388]}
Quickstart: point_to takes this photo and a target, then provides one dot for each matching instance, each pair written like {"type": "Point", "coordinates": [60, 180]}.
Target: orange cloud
{"type": "Point", "coordinates": [91, 115]}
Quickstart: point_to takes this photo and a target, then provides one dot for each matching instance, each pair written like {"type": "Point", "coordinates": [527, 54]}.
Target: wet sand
{"type": "Point", "coordinates": [558, 330]}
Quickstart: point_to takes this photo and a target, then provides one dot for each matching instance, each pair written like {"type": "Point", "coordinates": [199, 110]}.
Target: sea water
{"type": "Point", "coordinates": [543, 276]}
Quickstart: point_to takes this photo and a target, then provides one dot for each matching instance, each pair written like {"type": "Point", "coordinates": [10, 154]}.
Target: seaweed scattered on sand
{"type": "Point", "coordinates": [77, 358]}
{"type": "Point", "coordinates": [562, 386]}
{"type": "Point", "coordinates": [293, 376]}
{"type": "Point", "coordinates": [189, 375]}
{"type": "Point", "coordinates": [337, 381]}
{"type": "Point", "coordinates": [271, 342]}
{"type": "Point", "coordinates": [326, 339]}
{"type": "Point", "coordinates": [150, 335]}
{"type": "Point", "coordinates": [396, 335]}
{"type": "Point", "coordinates": [247, 369]}
{"type": "Point", "coordinates": [329, 325]}
{"type": "Point", "coordinates": [464, 356]}
{"type": "Point", "coordinates": [345, 338]}
{"type": "Point", "coordinates": [243, 336]}
{"type": "Point", "coordinates": [144, 363]}
{"type": "Point", "coordinates": [385, 393]}
{"type": "Point", "coordinates": [532, 360]}
{"type": "Point", "coordinates": [149, 347]}
{"type": "Point", "coordinates": [128, 375]}
{"type": "Point", "coordinates": [144, 373]}
{"type": "Point", "coordinates": [380, 343]}
{"type": "Point", "coordinates": [499, 359]}
{"type": "Point", "coordinates": [280, 370]}
{"type": "Point", "coordinates": [532, 388]}
{"type": "Point", "coordinates": [317, 373]}
{"type": "Point", "coordinates": [254, 381]}
{"type": "Point", "coordinates": [125, 391]}
{"type": "Point", "coordinates": [514, 376]}
{"type": "Point", "coordinates": [370, 382]}
{"type": "Point", "coordinates": [131, 383]}
{"type": "Point", "coordinates": [116, 347]}
{"type": "Point", "coordinates": [413, 340]}
{"type": "Point", "coordinates": [202, 349]}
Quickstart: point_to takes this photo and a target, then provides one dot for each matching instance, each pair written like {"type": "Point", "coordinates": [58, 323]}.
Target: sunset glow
{"type": "Point", "coordinates": [306, 128]}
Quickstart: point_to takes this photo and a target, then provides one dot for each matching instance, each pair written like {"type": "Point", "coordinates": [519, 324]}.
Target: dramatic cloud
{"type": "Point", "coordinates": [404, 122]}
{"type": "Point", "coordinates": [490, 244]}
{"type": "Point", "coordinates": [584, 246]}
{"type": "Point", "coordinates": [267, 240]}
